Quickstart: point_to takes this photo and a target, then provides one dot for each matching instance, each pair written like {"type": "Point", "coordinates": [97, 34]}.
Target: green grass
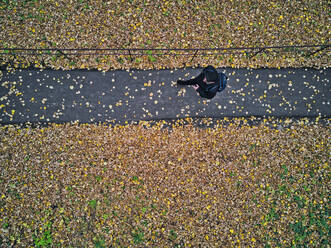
{"type": "Point", "coordinates": [185, 24]}
{"type": "Point", "coordinates": [234, 185]}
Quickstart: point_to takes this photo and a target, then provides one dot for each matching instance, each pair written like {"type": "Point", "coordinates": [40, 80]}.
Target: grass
{"type": "Point", "coordinates": [168, 24]}
{"type": "Point", "coordinates": [226, 186]}
{"type": "Point", "coordinates": [148, 186]}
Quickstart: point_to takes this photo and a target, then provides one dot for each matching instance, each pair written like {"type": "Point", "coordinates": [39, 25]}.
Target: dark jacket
{"type": "Point", "coordinates": [204, 90]}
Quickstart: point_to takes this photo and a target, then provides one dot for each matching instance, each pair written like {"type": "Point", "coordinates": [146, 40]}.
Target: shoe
{"type": "Point", "coordinates": [180, 82]}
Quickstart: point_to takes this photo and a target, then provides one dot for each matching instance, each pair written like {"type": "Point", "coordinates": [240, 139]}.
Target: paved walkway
{"type": "Point", "coordinates": [119, 96]}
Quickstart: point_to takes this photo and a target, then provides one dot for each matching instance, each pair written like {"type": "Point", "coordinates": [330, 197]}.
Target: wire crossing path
{"type": "Point", "coordinates": [55, 96]}
{"type": "Point", "coordinates": [250, 52]}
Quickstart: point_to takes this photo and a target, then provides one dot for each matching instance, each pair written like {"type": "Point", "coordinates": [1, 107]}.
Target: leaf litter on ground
{"type": "Point", "coordinates": [146, 185]}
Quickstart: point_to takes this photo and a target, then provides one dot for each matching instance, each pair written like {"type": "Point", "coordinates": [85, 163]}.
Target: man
{"type": "Point", "coordinates": [206, 84]}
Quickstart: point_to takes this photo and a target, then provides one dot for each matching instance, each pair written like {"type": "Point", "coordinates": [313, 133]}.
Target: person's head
{"type": "Point", "coordinates": [211, 75]}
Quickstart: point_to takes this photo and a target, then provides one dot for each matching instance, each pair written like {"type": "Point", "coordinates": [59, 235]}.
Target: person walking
{"type": "Point", "coordinates": [206, 83]}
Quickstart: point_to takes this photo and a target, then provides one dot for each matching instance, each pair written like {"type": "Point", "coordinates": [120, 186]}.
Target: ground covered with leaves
{"type": "Point", "coordinates": [153, 186]}
{"type": "Point", "coordinates": [164, 24]}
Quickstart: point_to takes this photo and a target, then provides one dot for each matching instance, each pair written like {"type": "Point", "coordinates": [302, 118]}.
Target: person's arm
{"type": "Point", "coordinates": [195, 80]}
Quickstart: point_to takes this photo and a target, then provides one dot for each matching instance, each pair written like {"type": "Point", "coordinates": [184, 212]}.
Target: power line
{"type": "Point", "coordinates": [162, 49]}
{"type": "Point", "coordinates": [250, 52]}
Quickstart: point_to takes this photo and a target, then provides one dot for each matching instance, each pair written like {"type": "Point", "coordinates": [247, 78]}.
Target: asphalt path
{"type": "Point", "coordinates": [56, 96]}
